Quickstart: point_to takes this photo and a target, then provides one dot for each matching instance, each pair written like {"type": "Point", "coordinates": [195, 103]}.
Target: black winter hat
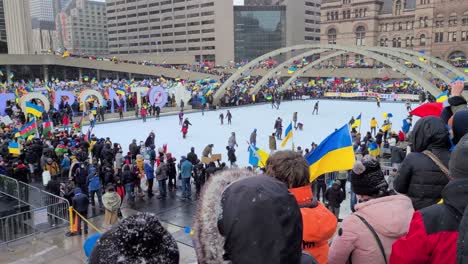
{"type": "Point", "coordinates": [137, 239]}
{"type": "Point", "coordinates": [458, 167]}
{"type": "Point", "coordinates": [261, 222]}
{"type": "Point", "coordinates": [367, 177]}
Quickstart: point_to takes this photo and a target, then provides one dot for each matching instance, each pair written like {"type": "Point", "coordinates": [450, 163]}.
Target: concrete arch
{"type": "Point", "coordinates": [281, 66]}
{"type": "Point", "coordinates": [308, 67]}
{"type": "Point", "coordinates": [87, 93]}
{"type": "Point", "coordinates": [395, 65]}
{"type": "Point", "coordinates": [359, 50]}
{"type": "Point", "coordinates": [434, 60]}
{"type": "Point", "coordinates": [30, 96]}
{"type": "Point", "coordinates": [236, 75]}
{"type": "Point", "coordinates": [413, 60]}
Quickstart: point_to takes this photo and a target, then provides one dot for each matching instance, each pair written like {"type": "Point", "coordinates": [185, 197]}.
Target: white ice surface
{"type": "Point", "coordinates": [207, 129]}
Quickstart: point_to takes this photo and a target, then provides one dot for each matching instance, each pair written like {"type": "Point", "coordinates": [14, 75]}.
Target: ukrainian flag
{"type": "Point", "coordinates": [335, 153]}
{"type": "Point", "coordinates": [466, 69]}
{"type": "Point", "coordinates": [257, 157]}
{"type": "Point", "coordinates": [374, 149]}
{"type": "Point", "coordinates": [33, 109]}
{"type": "Point", "coordinates": [357, 122]}
{"type": "Point", "coordinates": [85, 78]}
{"type": "Point", "coordinates": [385, 127]}
{"type": "Point", "coordinates": [120, 91]}
{"type": "Point", "coordinates": [94, 110]}
{"type": "Point", "coordinates": [291, 70]}
{"type": "Point", "coordinates": [442, 97]}
{"type": "Point", "coordinates": [13, 148]}
{"type": "Point", "coordinates": [287, 135]}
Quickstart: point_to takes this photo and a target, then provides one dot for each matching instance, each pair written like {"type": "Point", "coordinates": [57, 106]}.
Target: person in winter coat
{"type": "Point", "coordinates": [272, 143]}
{"type": "Point", "coordinates": [192, 156]}
{"type": "Point", "coordinates": [107, 155]}
{"type": "Point", "coordinates": [162, 176]}
{"type": "Point", "coordinates": [186, 173]}
{"type": "Point", "coordinates": [278, 128]}
{"type": "Point", "coordinates": [292, 169]}
{"type": "Point", "coordinates": [419, 177]}
{"type": "Point", "coordinates": [65, 166]}
{"type": "Point", "coordinates": [229, 117]}
{"type": "Point", "coordinates": [373, 126]}
{"type": "Point", "coordinates": [80, 204]}
{"type": "Point", "coordinates": [171, 174]}
{"type": "Point", "coordinates": [275, 226]}
{"type": "Point", "coordinates": [181, 117]}
{"type": "Point", "coordinates": [207, 152]}
{"type": "Point", "coordinates": [143, 113]}
{"type": "Point", "coordinates": [335, 196]}
{"type": "Point", "coordinates": [94, 187]}
{"type": "Point", "coordinates": [434, 230]}
{"type": "Point", "coordinates": [232, 142]}
{"type": "Point", "coordinates": [134, 149]}
{"type": "Point", "coordinates": [138, 238]}
{"type": "Point", "coordinates": [149, 140]}
{"type": "Point", "coordinates": [199, 177]}
{"type": "Point", "coordinates": [149, 173]}
{"type": "Point", "coordinates": [119, 161]}
{"type": "Point", "coordinates": [52, 167]}
{"type": "Point", "coordinates": [253, 138]}
{"type": "Point", "coordinates": [65, 122]}
{"type": "Point", "coordinates": [185, 127]}
{"type": "Point", "coordinates": [459, 125]}
{"type": "Point", "coordinates": [221, 118]}
{"type": "Point", "coordinates": [387, 215]}
{"type": "Point", "coordinates": [231, 153]}
{"type": "Point", "coordinates": [455, 103]}
{"type": "Point", "coordinates": [111, 201]}
{"type": "Point", "coordinates": [128, 180]}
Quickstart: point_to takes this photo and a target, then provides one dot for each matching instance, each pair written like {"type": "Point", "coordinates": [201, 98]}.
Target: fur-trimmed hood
{"type": "Point", "coordinates": [208, 241]}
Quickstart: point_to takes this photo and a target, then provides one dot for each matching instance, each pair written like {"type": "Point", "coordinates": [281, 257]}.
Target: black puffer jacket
{"type": "Point", "coordinates": [419, 177]}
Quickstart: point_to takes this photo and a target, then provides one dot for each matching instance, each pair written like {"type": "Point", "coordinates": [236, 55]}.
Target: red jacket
{"type": "Point", "coordinates": [433, 232]}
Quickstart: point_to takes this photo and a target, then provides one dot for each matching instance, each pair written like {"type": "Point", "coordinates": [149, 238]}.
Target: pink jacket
{"type": "Point", "coordinates": [390, 217]}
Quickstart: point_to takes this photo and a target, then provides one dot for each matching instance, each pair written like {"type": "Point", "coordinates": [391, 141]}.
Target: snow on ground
{"type": "Point", "coordinates": [207, 129]}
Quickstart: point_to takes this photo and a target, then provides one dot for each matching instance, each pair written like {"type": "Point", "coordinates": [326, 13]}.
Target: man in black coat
{"type": "Point", "coordinates": [192, 157]}
{"type": "Point", "coordinates": [80, 204]}
{"type": "Point", "coordinates": [419, 177]}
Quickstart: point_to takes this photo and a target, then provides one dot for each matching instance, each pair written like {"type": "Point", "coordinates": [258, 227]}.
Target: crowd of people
{"type": "Point", "coordinates": [399, 218]}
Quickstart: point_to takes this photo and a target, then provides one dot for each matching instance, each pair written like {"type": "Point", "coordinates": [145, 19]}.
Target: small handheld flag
{"type": "Point", "coordinates": [33, 109]}
{"type": "Point", "coordinates": [442, 97]}
{"type": "Point", "coordinates": [287, 135]}
{"type": "Point", "coordinates": [257, 157]}
{"type": "Point", "coordinates": [357, 122]}
{"type": "Point", "coordinates": [13, 148]}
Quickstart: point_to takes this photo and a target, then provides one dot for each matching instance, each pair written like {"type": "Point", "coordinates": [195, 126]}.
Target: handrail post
{"type": "Point", "coordinates": [70, 211]}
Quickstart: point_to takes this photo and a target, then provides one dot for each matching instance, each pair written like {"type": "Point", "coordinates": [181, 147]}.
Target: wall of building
{"type": "Point", "coordinates": [18, 26]}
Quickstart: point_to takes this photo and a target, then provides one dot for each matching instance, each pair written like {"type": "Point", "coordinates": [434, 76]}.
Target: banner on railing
{"type": "Point", "coordinates": [373, 95]}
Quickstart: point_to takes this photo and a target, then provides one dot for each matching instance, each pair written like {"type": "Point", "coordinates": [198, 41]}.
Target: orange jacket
{"type": "Point", "coordinates": [319, 224]}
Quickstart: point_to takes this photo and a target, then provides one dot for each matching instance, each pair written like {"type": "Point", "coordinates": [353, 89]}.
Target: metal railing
{"type": "Point", "coordinates": [44, 210]}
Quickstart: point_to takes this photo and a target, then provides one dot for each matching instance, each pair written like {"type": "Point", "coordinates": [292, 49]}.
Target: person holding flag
{"type": "Point", "coordinates": [357, 122]}
{"type": "Point", "coordinates": [34, 109]}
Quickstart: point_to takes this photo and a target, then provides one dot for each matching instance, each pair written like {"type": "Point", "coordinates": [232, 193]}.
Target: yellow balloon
{"type": "Point", "coordinates": [385, 115]}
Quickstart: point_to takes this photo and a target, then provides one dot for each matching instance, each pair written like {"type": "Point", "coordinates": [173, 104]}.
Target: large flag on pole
{"type": "Point", "coordinates": [357, 122]}
{"type": "Point", "coordinates": [335, 153]}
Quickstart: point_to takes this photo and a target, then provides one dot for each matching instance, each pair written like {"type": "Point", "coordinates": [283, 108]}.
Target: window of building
{"type": "Point", "coordinates": [207, 4]}
{"type": "Point", "coordinates": [192, 7]}
{"type": "Point", "coordinates": [452, 22]}
{"type": "Point", "coordinates": [168, 34]}
{"type": "Point", "coordinates": [464, 36]}
{"type": "Point", "coordinates": [194, 48]}
{"type": "Point", "coordinates": [193, 15]}
{"type": "Point", "coordinates": [179, 41]}
{"type": "Point", "coordinates": [209, 30]}
{"type": "Point", "coordinates": [181, 49]}
{"type": "Point", "coordinates": [398, 7]}
{"type": "Point", "coordinates": [439, 37]}
{"type": "Point", "coordinates": [180, 33]}
{"type": "Point", "coordinates": [209, 13]}
{"type": "Point", "coordinates": [422, 40]}
{"type": "Point", "coordinates": [360, 36]}
{"type": "Point", "coordinates": [331, 36]}
{"type": "Point", "coordinates": [452, 36]}
{"type": "Point", "coordinates": [382, 42]}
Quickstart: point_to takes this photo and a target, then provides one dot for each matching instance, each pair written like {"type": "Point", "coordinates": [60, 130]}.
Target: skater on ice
{"type": "Point", "coordinates": [253, 138]}
{"type": "Point", "coordinates": [316, 108]}
{"type": "Point", "coordinates": [181, 117]}
{"type": "Point", "coordinates": [221, 118]}
{"type": "Point", "coordinates": [229, 117]}
{"type": "Point", "coordinates": [232, 142]}
{"type": "Point", "coordinates": [185, 127]}
{"type": "Point", "coordinates": [278, 128]}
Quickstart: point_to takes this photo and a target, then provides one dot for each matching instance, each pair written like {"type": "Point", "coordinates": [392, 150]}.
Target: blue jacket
{"type": "Point", "coordinates": [186, 169]}
{"type": "Point", "coordinates": [94, 182]}
{"type": "Point", "coordinates": [65, 164]}
{"type": "Point", "coordinates": [149, 171]}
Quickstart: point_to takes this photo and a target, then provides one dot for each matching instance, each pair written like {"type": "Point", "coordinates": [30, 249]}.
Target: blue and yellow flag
{"type": "Point", "coordinates": [120, 91]}
{"type": "Point", "coordinates": [357, 122]}
{"type": "Point", "coordinates": [33, 109]}
{"type": "Point", "coordinates": [466, 70]}
{"type": "Point", "coordinates": [292, 70]}
{"type": "Point", "coordinates": [257, 157]}
{"type": "Point", "coordinates": [374, 149]}
{"type": "Point", "coordinates": [13, 148]}
{"type": "Point", "coordinates": [287, 135]}
{"type": "Point", "coordinates": [442, 97]}
{"type": "Point", "coordinates": [335, 153]}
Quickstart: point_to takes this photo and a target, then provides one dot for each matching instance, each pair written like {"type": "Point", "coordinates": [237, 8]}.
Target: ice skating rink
{"type": "Point", "coordinates": [208, 130]}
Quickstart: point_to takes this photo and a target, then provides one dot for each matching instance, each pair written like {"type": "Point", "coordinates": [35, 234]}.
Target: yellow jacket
{"type": "Point", "coordinates": [373, 123]}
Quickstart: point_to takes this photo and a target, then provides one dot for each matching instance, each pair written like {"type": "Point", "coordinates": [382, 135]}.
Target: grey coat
{"type": "Point", "coordinates": [161, 172]}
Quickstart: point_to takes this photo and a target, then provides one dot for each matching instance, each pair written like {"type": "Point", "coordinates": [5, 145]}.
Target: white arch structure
{"type": "Point", "coordinates": [375, 53]}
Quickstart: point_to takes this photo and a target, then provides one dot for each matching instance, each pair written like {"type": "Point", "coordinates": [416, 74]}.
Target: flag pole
{"type": "Point", "coordinates": [360, 122]}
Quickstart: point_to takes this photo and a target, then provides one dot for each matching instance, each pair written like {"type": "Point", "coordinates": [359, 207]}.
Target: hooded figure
{"type": "Point", "coordinates": [433, 233]}
{"type": "Point", "coordinates": [388, 215]}
{"type": "Point", "coordinates": [419, 177]}
{"type": "Point", "coordinates": [459, 125]}
{"type": "Point", "coordinates": [137, 239]}
{"type": "Point", "coordinates": [248, 219]}
{"type": "Point", "coordinates": [111, 201]}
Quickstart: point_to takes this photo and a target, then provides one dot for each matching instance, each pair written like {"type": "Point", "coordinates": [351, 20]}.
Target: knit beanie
{"type": "Point", "coordinates": [458, 167]}
{"type": "Point", "coordinates": [137, 239]}
{"type": "Point", "coordinates": [367, 177]}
